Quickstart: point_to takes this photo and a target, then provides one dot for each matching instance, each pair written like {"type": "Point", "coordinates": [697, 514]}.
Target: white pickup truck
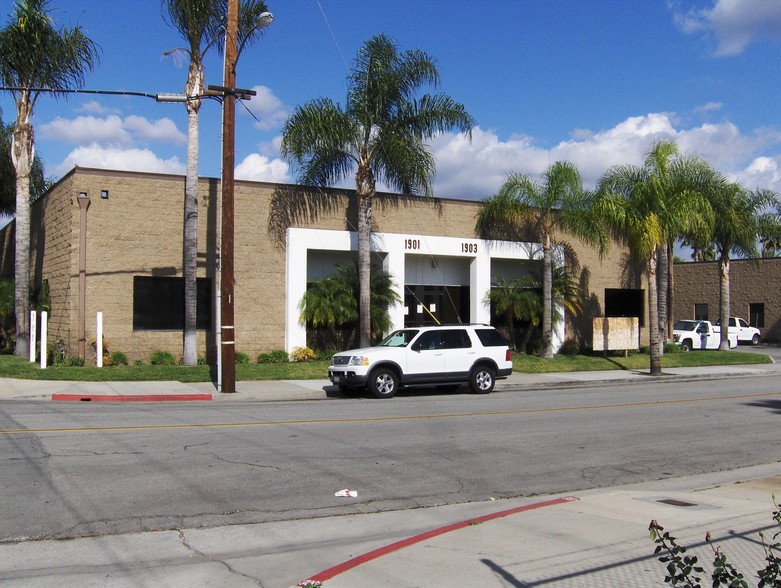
{"type": "Point", "coordinates": [699, 335]}
{"type": "Point", "coordinates": [745, 332]}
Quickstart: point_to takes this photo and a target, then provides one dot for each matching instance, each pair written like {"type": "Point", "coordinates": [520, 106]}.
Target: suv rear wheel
{"type": "Point", "coordinates": [482, 379]}
{"type": "Point", "coordinates": [383, 383]}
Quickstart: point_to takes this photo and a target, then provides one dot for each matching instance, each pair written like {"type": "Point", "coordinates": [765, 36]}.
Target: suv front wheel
{"type": "Point", "coordinates": [482, 379]}
{"type": "Point", "coordinates": [383, 383]}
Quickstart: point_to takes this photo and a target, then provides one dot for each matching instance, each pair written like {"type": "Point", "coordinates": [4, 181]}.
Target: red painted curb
{"type": "Point", "coordinates": [130, 397]}
{"type": "Point", "coordinates": [361, 559]}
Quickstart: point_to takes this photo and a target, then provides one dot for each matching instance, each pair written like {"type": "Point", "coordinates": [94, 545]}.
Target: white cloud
{"type": "Point", "coordinates": [163, 130]}
{"type": "Point", "coordinates": [267, 108]}
{"type": "Point", "coordinates": [735, 23]}
{"type": "Point", "coordinates": [476, 170]}
{"type": "Point", "coordinates": [260, 168]}
{"type": "Point", "coordinates": [109, 130]}
{"type": "Point", "coordinates": [112, 130]}
{"type": "Point", "coordinates": [93, 107]}
{"type": "Point", "coordinates": [119, 159]}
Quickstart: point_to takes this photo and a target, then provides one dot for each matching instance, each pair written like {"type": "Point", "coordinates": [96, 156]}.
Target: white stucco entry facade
{"type": "Point", "coordinates": [398, 250]}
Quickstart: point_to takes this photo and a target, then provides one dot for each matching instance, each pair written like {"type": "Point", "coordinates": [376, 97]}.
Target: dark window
{"type": "Point", "coordinates": [158, 303]}
{"type": "Point", "coordinates": [756, 315]}
{"type": "Point", "coordinates": [490, 338]}
{"type": "Point", "coordinates": [700, 312]}
{"type": "Point", "coordinates": [428, 340]}
{"type": "Point", "coordinates": [455, 339]}
{"type": "Point", "coordinates": [624, 303]}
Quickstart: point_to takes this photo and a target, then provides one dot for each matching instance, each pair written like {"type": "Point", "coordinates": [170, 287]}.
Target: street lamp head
{"type": "Point", "coordinates": [265, 19]}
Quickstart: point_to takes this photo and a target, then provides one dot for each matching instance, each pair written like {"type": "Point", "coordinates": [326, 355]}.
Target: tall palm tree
{"type": "Point", "coordinates": [542, 210]}
{"type": "Point", "coordinates": [35, 54]}
{"type": "Point", "coordinates": [739, 222]}
{"type": "Point", "coordinates": [671, 174]}
{"type": "Point", "coordinates": [643, 208]}
{"type": "Point", "coordinates": [201, 24]}
{"type": "Point", "coordinates": [38, 182]}
{"type": "Point", "coordinates": [379, 135]}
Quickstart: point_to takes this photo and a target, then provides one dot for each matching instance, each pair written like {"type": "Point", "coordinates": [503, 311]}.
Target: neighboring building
{"type": "Point", "coordinates": [755, 285]}
{"type": "Point", "coordinates": [285, 236]}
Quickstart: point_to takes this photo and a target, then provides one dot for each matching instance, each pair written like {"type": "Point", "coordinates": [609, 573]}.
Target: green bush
{"type": "Point", "coordinates": [569, 347]}
{"type": "Point", "coordinates": [325, 354]}
{"type": "Point", "coordinates": [162, 358]}
{"type": "Point", "coordinates": [275, 356]}
{"type": "Point", "coordinates": [117, 358]}
{"type": "Point", "coordinates": [672, 347]}
{"type": "Point", "coordinates": [241, 358]}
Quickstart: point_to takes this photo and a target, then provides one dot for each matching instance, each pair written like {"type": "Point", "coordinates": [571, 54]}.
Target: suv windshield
{"type": "Point", "coordinates": [399, 338]}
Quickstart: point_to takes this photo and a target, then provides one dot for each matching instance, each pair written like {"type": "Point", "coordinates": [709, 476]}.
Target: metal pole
{"type": "Point", "coordinates": [229, 127]}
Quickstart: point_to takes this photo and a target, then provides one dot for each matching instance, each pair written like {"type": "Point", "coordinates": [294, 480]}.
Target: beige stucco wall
{"type": "Point", "coordinates": [137, 230]}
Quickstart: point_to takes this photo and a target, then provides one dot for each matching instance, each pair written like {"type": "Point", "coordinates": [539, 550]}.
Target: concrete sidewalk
{"type": "Point", "coordinates": [594, 538]}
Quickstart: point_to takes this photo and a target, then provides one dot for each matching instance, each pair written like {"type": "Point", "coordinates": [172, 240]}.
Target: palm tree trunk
{"type": "Point", "coordinates": [670, 292]}
{"type": "Point", "coordinates": [22, 157]}
{"type": "Point", "coordinates": [662, 302]}
{"type": "Point", "coordinates": [546, 346]}
{"type": "Point", "coordinates": [365, 192]}
{"type": "Point", "coordinates": [190, 237]}
{"type": "Point", "coordinates": [724, 301]}
{"type": "Point", "coordinates": [653, 318]}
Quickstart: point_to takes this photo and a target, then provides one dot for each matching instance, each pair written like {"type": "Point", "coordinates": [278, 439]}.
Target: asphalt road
{"type": "Point", "coordinates": [73, 470]}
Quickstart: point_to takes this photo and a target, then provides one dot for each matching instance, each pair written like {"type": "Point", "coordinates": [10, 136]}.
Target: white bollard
{"type": "Point", "coordinates": [33, 328]}
{"type": "Point", "coordinates": [44, 321]}
{"type": "Point", "coordinates": [99, 339]}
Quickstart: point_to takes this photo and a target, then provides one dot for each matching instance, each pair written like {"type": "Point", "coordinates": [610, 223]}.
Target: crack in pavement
{"type": "Point", "coordinates": [206, 557]}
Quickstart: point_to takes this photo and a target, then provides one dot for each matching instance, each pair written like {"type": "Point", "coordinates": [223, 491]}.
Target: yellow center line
{"type": "Point", "coordinates": [390, 418]}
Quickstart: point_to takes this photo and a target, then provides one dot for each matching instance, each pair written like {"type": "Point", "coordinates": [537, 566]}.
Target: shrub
{"type": "Point", "coordinates": [117, 358]}
{"type": "Point", "coordinates": [325, 354]}
{"type": "Point", "coordinates": [201, 360]}
{"type": "Point", "coordinates": [569, 347]}
{"type": "Point", "coordinates": [303, 354]}
{"type": "Point", "coordinates": [162, 358]}
{"type": "Point", "coordinates": [672, 347]}
{"type": "Point", "coordinates": [275, 356]}
{"type": "Point", "coordinates": [241, 358]}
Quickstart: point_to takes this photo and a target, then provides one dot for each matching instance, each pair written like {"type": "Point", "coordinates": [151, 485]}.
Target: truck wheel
{"type": "Point", "coordinates": [383, 383]}
{"type": "Point", "coordinates": [482, 380]}
{"type": "Point", "coordinates": [686, 346]}
{"type": "Point", "coordinates": [755, 340]}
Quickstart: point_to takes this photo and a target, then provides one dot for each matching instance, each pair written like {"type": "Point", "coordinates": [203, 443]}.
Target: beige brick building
{"type": "Point", "coordinates": [285, 236]}
{"type": "Point", "coordinates": [755, 285]}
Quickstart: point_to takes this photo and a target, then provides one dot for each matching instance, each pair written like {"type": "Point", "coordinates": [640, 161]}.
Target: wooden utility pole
{"type": "Point", "coordinates": [228, 342]}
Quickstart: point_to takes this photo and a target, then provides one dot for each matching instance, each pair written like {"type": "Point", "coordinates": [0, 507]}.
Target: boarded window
{"type": "Point", "coordinates": [158, 303]}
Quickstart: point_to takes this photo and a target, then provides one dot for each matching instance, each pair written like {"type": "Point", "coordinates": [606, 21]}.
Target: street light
{"type": "Point", "coordinates": [227, 337]}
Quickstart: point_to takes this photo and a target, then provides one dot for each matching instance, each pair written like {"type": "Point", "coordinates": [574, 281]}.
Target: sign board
{"type": "Point", "coordinates": [616, 333]}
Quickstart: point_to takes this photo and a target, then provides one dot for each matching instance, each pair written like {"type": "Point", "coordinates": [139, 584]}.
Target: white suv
{"type": "Point", "coordinates": [443, 355]}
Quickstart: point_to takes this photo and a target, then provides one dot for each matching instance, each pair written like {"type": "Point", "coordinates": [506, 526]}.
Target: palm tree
{"type": "Point", "coordinates": [38, 183]}
{"type": "Point", "coordinates": [739, 223]}
{"type": "Point", "coordinates": [542, 211]}
{"type": "Point", "coordinates": [516, 300]}
{"type": "Point", "coordinates": [201, 24]}
{"type": "Point", "coordinates": [671, 175]}
{"type": "Point", "coordinates": [645, 206]}
{"type": "Point", "coordinates": [380, 136]}
{"type": "Point", "coordinates": [34, 54]}
{"type": "Point", "coordinates": [333, 301]}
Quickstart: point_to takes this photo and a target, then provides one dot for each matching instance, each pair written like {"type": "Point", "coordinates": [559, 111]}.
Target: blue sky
{"type": "Point", "coordinates": [591, 82]}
